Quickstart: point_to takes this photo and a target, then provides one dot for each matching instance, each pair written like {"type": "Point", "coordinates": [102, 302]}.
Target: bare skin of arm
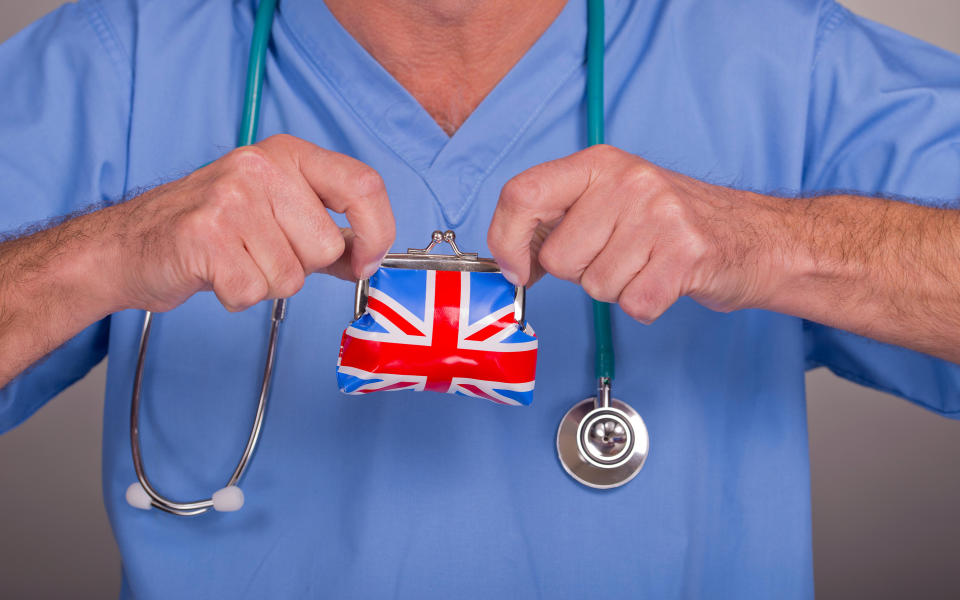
{"type": "Point", "coordinates": [249, 226]}
{"type": "Point", "coordinates": [884, 269]}
{"type": "Point", "coordinates": [636, 234]}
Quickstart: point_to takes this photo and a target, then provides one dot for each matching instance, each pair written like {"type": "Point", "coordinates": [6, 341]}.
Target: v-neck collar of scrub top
{"type": "Point", "coordinates": [453, 167]}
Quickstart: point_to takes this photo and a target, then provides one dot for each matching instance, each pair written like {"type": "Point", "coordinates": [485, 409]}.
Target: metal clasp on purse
{"type": "Point", "coordinates": [422, 259]}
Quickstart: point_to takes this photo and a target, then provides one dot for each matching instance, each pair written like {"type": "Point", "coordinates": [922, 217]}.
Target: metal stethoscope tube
{"type": "Point", "coordinates": [143, 494]}
{"type": "Point", "coordinates": [185, 509]}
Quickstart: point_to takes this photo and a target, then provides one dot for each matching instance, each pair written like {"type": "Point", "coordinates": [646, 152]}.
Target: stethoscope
{"type": "Point", "coordinates": [602, 442]}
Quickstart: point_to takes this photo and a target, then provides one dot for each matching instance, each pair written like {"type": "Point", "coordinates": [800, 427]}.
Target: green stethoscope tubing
{"type": "Point", "coordinates": [602, 329]}
{"type": "Point", "coordinates": [255, 70]}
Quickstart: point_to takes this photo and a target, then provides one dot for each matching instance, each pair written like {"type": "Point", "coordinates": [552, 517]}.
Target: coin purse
{"type": "Point", "coordinates": [446, 323]}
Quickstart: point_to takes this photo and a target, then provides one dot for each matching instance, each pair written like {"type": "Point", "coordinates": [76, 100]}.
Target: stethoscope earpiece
{"type": "Point", "coordinates": [602, 442]}
{"type": "Point", "coordinates": [226, 499]}
{"type": "Point", "coordinates": [137, 497]}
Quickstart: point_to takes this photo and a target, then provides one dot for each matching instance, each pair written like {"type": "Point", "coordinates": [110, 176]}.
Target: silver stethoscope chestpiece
{"type": "Point", "coordinates": [602, 442]}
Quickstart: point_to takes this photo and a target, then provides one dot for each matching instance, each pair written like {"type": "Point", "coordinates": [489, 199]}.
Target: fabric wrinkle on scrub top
{"type": "Point", "coordinates": [420, 495]}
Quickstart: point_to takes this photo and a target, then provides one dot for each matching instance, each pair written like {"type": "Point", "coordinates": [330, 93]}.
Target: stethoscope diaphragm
{"type": "Point", "coordinates": [602, 442]}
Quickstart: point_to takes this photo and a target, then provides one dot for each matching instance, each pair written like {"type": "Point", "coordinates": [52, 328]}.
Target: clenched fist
{"type": "Point", "coordinates": [636, 234]}
{"type": "Point", "coordinates": [251, 226]}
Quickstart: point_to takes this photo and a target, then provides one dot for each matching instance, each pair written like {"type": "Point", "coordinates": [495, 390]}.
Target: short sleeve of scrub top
{"type": "Point", "coordinates": [884, 119]}
{"type": "Point", "coordinates": [67, 82]}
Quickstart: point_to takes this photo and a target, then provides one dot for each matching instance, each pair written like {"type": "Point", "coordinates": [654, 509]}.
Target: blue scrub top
{"type": "Point", "coordinates": [417, 495]}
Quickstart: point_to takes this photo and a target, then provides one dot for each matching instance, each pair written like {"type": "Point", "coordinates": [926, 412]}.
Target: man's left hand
{"type": "Point", "coordinates": [637, 234]}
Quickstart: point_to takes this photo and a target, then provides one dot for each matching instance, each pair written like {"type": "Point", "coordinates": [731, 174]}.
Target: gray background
{"type": "Point", "coordinates": [885, 487]}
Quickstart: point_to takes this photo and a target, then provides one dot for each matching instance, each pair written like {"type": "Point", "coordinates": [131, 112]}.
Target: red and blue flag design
{"type": "Point", "coordinates": [439, 331]}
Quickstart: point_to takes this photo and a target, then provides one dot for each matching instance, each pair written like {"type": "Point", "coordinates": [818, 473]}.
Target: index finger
{"type": "Point", "coordinates": [348, 186]}
{"type": "Point", "coordinates": [539, 195]}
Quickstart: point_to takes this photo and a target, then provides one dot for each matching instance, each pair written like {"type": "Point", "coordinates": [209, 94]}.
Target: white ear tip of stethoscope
{"type": "Point", "coordinates": [137, 497]}
{"type": "Point", "coordinates": [228, 499]}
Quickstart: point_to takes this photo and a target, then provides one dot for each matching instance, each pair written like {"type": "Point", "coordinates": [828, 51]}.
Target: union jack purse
{"type": "Point", "coordinates": [439, 323]}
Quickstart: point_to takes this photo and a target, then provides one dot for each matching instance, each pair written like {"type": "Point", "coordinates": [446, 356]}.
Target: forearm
{"type": "Point", "coordinates": [884, 269]}
{"type": "Point", "coordinates": [53, 284]}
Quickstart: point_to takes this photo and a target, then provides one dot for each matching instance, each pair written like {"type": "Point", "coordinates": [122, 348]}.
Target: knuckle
{"type": "Point", "coordinates": [290, 282]}
{"type": "Point", "coordinates": [249, 160]}
{"type": "Point", "coordinates": [642, 305]}
{"type": "Point", "coordinates": [636, 311]}
{"type": "Point", "coordinates": [671, 210]}
{"type": "Point", "coordinates": [204, 225]}
{"type": "Point", "coordinates": [240, 293]}
{"type": "Point", "coordinates": [226, 192]}
{"type": "Point", "coordinates": [524, 190]}
{"type": "Point", "coordinates": [277, 139]}
{"type": "Point", "coordinates": [367, 182]}
{"type": "Point", "coordinates": [641, 177]}
{"type": "Point", "coordinates": [496, 241]}
{"type": "Point", "coordinates": [592, 288]}
{"type": "Point", "coordinates": [597, 286]}
{"type": "Point", "coordinates": [605, 152]}
{"type": "Point", "coordinates": [326, 251]}
{"type": "Point", "coordinates": [232, 306]}
{"type": "Point", "coordinates": [254, 290]}
{"type": "Point", "coordinates": [672, 218]}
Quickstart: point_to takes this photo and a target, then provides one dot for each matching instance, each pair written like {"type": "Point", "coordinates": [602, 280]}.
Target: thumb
{"type": "Point", "coordinates": [343, 267]}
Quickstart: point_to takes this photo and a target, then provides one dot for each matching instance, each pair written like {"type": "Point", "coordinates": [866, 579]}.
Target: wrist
{"type": "Point", "coordinates": [54, 284]}
{"type": "Point", "coordinates": [788, 267]}
{"type": "Point", "coordinates": [820, 258]}
{"type": "Point", "coordinates": [88, 269]}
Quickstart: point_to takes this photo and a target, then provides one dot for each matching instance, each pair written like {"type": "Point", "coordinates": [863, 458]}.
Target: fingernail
{"type": "Point", "coordinates": [373, 267]}
{"type": "Point", "coordinates": [369, 270]}
{"type": "Point", "coordinates": [510, 276]}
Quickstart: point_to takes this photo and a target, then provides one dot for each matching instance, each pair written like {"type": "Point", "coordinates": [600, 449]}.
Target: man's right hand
{"type": "Point", "coordinates": [251, 226]}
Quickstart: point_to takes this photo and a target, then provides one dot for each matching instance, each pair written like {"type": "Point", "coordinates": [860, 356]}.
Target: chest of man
{"type": "Point", "coordinates": [391, 489]}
